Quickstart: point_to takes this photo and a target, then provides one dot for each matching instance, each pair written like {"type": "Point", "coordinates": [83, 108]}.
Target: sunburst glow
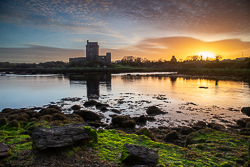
{"type": "Point", "coordinates": [206, 54]}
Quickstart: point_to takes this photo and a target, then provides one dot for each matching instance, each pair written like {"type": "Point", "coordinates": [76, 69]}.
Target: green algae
{"type": "Point", "coordinates": [212, 148]}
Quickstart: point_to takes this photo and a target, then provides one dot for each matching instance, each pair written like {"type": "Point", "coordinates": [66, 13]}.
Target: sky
{"type": "Point", "coordinates": [33, 31]}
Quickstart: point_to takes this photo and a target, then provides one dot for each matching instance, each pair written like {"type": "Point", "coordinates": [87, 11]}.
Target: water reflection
{"type": "Point", "coordinates": [92, 82]}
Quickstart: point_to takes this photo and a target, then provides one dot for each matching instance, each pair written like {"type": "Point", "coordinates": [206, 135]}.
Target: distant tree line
{"type": "Point", "coordinates": [193, 61]}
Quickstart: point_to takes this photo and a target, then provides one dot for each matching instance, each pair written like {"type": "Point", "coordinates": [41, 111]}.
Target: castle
{"type": "Point", "coordinates": [92, 54]}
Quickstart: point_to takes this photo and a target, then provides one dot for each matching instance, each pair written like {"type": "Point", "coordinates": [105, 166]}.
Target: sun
{"type": "Point", "coordinates": [206, 54]}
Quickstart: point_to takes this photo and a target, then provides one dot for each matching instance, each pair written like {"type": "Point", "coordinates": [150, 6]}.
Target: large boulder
{"type": "Point", "coordinates": [4, 150]}
{"type": "Point", "coordinates": [246, 110]}
{"type": "Point", "coordinates": [139, 155]}
{"type": "Point", "coordinates": [153, 110]}
{"type": "Point", "coordinates": [88, 115]}
{"type": "Point", "coordinates": [59, 136]}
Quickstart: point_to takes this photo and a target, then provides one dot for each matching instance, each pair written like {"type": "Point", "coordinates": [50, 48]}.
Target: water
{"type": "Point", "coordinates": [181, 98]}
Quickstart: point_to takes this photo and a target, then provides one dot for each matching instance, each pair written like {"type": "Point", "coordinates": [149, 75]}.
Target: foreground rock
{"type": "Point", "coordinates": [59, 136]}
{"type": "Point", "coordinates": [246, 110]}
{"type": "Point", "coordinates": [4, 150]}
{"type": "Point", "coordinates": [139, 155]}
{"type": "Point", "coordinates": [153, 110]}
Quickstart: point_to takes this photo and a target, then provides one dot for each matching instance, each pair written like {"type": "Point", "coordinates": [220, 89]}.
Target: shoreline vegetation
{"type": "Point", "coordinates": [200, 144]}
{"type": "Point", "coordinates": [208, 73]}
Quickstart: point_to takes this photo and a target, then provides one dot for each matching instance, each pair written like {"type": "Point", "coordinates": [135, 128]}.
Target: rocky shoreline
{"type": "Point", "coordinates": [53, 116]}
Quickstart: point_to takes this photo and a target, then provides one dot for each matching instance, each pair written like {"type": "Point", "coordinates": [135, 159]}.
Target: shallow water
{"type": "Point", "coordinates": [182, 98]}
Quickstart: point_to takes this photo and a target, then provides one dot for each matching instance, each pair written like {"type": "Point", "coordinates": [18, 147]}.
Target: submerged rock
{"type": "Point", "coordinates": [4, 150]}
{"type": "Point", "coordinates": [139, 155]}
{"type": "Point", "coordinates": [153, 110]}
{"type": "Point", "coordinates": [246, 110]}
{"type": "Point", "coordinates": [75, 107]}
{"type": "Point", "coordinates": [90, 103]}
{"type": "Point", "coordinates": [59, 136]}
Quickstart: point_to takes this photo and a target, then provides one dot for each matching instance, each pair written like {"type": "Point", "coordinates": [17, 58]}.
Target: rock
{"type": "Point", "coordinates": [88, 115]}
{"type": "Point", "coordinates": [153, 110]}
{"type": "Point", "coordinates": [245, 131]}
{"type": "Point", "coordinates": [13, 123]}
{"type": "Point", "coordinates": [246, 110]}
{"type": "Point", "coordinates": [7, 110]}
{"type": "Point", "coordinates": [171, 136]}
{"type": "Point", "coordinates": [58, 116]}
{"type": "Point", "coordinates": [12, 117]}
{"type": "Point", "coordinates": [139, 155]}
{"type": "Point", "coordinates": [3, 121]}
{"type": "Point", "coordinates": [248, 125]}
{"type": "Point", "coordinates": [49, 111]}
{"type": "Point", "coordinates": [30, 113]}
{"type": "Point", "coordinates": [97, 124]}
{"type": "Point", "coordinates": [116, 111]}
{"type": "Point", "coordinates": [90, 103]}
{"type": "Point", "coordinates": [199, 125]}
{"type": "Point", "coordinates": [75, 107]}
{"type": "Point", "coordinates": [241, 123]}
{"type": "Point", "coordinates": [23, 117]}
{"type": "Point", "coordinates": [100, 105]}
{"type": "Point", "coordinates": [4, 150]}
{"type": "Point", "coordinates": [55, 107]}
{"type": "Point", "coordinates": [185, 130]}
{"type": "Point", "coordinates": [74, 118]}
{"type": "Point", "coordinates": [128, 124]}
{"type": "Point", "coordinates": [59, 136]}
{"type": "Point", "coordinates": [190, 139]}
{"type": "Point", "coordinates": [103, 109]}
{"type": "Point", "coordinates": [117, 120]}
{"type": "Point", "coordinates": [146, 132]}
{"type": "Point", "coordinates": [142, 119]}
{"type": "Point", "coordinates": [216, 126]}
{"type": "Point", "coordinates": [48, 118]}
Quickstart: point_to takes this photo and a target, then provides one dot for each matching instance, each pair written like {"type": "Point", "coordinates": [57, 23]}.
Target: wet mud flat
{"type": "Point", "coordinates": [175, 113]}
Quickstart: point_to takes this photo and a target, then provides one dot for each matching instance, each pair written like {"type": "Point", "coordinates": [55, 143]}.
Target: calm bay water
{"type": "Point", "coordinates": [180, 97]}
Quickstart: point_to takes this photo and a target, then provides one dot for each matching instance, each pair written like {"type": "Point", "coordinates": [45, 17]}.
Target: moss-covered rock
{"type": "Point", "coordinates": [13, 123]}
{"type": "Point", "coordinates": [58, 116]}
{"type": "Point", "coordinates": [3, 121]}
{"type": "Point", "coordinates": [49, 111]}
{"type": "Point", "coordinates": [146, 132]}
{"type": "Point", "coordinates": [88, 115]}
{"type": "Point", "coordinates": [171, 136]}
{"type": "Point", "coordinates": [48, 118]}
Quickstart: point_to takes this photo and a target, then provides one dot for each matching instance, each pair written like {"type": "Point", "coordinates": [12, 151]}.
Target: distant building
{"type": "Point", "coordinates": [92, 54]}
{"type": "Point", "coordinates": [173, 59]}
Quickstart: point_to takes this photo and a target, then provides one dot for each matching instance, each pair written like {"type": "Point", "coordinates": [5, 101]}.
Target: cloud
{"type": "Point", "coordinates": [36, 54]}
{"type": "Point", "coordinates": [204, 16]}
